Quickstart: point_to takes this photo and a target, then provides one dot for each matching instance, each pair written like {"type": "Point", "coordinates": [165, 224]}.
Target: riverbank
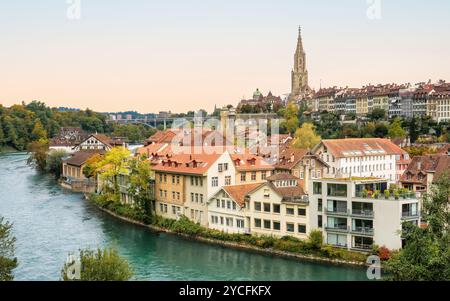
{"type": "Point", "coordinates": [263, 245]}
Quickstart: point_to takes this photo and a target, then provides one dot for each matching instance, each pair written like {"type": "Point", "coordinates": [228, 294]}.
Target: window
{"type": "Point", "coordinates": [192, 181]}
{"type": "Point", "coordinates": [276, 226]}
{"type": "Point", "coordinates": [218, 203]}
{"type": "Point", "coordinates": [174, 210]}
{"type": "Point", "coordinates": [266, 207]}
{"type": "Point", "coordinates": [317, 188]}
{"type": "Point", "coordinates": [276, 208]}
{"type": "Point", "coordinates": [263, 175]}
{"type": "Point", "coordinates": [229, 222]}
{"type": "Point", "coordinates": [243, 177]}
{"type": "Point", "coordinates": [173, 195]}
{"type": "Point", "coordinates": [257, 223]}
{"type": "Point", "coordinates": [253, 175]}
{"type": "Point", "coordinates": [302, 211]}
{"type": "Point", "coordinates": [337, 190]}
{"type": "Point", "coordinates": [227, 180]}
{"type": "Point", "coordinates": [319, 221]}
{"type": "Point", "coordinates": [220, 167]}
{"type": "Point", "coordinates": [234, 206]}
{"type": "Point", "coordinates": [290, 211]}
{"type": "Point", "coordinates": [223, 203]}
{"type": "Point", "coordinates": [257, 206]}
{"type": "Point", "coordinates": [302, 175]}
{"type": "Point", "coordinates": [201, 198]}
{"type": "Point", "coordinates": [267, 224]}
{"type": "Point", "coordinates": [215, 182]}
{"type": "Point", "coordinates": [290, 227]}
{"type": "Point", "coordinates": [302, 229]}
{"type": "Point", "coordinates": [173, 179]}
{"type": "Point", "coordinates": [165, 208]}
{"type": "Point", "coordinates": [240, 223]}
{"type": "Point", "coordinates": [225, 166]}
{"type": "Point", "coordinates": [196, 197]}
{"type": "Point", "coordinates": [319, 205]}
{"type": "Point", "coordinates": [228, 204]}
{"type": "Point", "coordinates": [221, 220]}
{"type": "Point", "coordinates": [178, 196]}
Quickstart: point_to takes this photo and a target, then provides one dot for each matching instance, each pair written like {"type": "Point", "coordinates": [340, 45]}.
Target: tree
{"type": "Point", "coordinates": [141, 188]}
{"type": "Point", "coordinates": [329, 126]}
{"type": "Point", "coordinates": [100, 265]}
{"type": "Point", "coordinates": [381, 130]}
{"type": "Point", "coordinates": [54, 162]}
{"type": "Point", "coordinates": [426, 255]}
{"type": "Point", "coordinates": [291, 118]}
{"type": "Point", "coordinates": [7, 247]}
{"type": "Point", "coordinates": [377, 115]}
{"type": "Point", "coordinates": [113, 164]}
{"type": "Point", "coordinates": [38, 133]}
{"type": "Point", "coordinates": [315, 239]}
{"type": "Point", "coordinates": [350, 131]}
{"type": "Point", "coordinates": [38, 158]}
{"type": "Point", "coordinates": [413, 130]}
{"type": "Point", "coordinates": [91, 166]}
{"type": "Point", "coordinates": [368, 130]}
{"type": "Point", "coordinates": [396, 130]}
{"type": "Point", "coordinates": [306, 137]}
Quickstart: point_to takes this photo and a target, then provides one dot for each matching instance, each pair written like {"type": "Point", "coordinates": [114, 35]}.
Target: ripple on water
{"type": "Point", "coordinates": [50, 222]}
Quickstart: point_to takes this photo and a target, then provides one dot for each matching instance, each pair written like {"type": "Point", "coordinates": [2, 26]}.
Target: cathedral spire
{"type": "Point", "coordinates": [299, 72]}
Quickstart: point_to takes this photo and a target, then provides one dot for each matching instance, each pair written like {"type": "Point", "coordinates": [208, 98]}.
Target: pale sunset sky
{"type": "Point", "coordinates": [180, 55]}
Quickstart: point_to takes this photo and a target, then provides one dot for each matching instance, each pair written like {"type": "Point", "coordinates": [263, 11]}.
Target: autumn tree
{"type": "Point", "coordinates": [114, 163]}
{"type": "Point", "coordinates": [38, 133]}
{"type": "Point", "coordinates": [291, 121]}
{"type": "Point", "coordinates": [140, 186]}
{"type": "Point", "coordinates": [306, 137]}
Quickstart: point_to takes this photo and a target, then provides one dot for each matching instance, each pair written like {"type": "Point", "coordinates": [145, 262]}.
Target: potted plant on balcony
{"type": "Point", "coordinates": [396, 194]}
{"type": "Point", "coordinates": [387, 194]}
{"type": "Point", "coordinates": [365, 193]}
{"type": "Point", "coordinates": [376, 194]}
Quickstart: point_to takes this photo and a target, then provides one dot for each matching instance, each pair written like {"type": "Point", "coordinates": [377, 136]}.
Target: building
{"type": "Point", "coordinates": [67, 139]}
{"type": "Point", "coordinates": [355, 213]}
{"type": "Point", "coordinates": [184, 183]}
{"type": "Point", "coordinates": [360, 157]}
{"type": "Point", "coordinates": [227, 209]}
{"type": "Point", "coordinates": [73, 177]}
{"type": "Point", "coordinates": [278, 208]}
{"type": "Point", "coordinates": [99, 142]}
{"type": "Point", "coordinates": [251, 169]}
{"type": "Point", "coordinates": [260, 103]}
{"type": "Point", "coordinates": [302, 164]}
{"type": "Point", "coordinates": [442, 106]}
{"type": "Point", "coordinates": [299, 75]}
{"type": "Point", "coordinates": [423, 171]}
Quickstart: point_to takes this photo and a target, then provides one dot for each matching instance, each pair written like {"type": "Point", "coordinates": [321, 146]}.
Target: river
{"type": "Point", "coordinates": [50, 222]}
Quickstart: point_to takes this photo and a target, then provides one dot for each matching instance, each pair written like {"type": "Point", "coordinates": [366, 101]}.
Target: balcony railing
{"type": "Point", "coordinates": [363, 230]}
{"type": "Point", "coordinates": [406, 195]}
{"type": "Point", "coordinates": [338, 228]}
{"type": "Point", "coordinates": [409, 214]}
{"type": "Point", "coordinates": [364, 247]}
{"type": "Point", "coordinates": [363, 213]}
{"type": "Point", "coordinates": [337, 211]}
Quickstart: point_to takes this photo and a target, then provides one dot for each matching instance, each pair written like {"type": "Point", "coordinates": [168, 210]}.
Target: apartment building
{"type": "Point", "coordinates": [184, 183]}
{"type": "Point", "coordinates": [355, 213]}
{"type": "Point", "coordinates": [442, 106]}
{"type": "Point", "coordinates": [360, 157]}
{"type": "Point", "coordinates": [99, 142]}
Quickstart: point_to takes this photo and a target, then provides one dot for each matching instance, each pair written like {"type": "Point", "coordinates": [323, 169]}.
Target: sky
{"type": "Point", "coordinates": [181, 55]}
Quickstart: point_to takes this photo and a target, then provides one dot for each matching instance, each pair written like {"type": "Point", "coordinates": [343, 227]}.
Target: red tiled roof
{"type": "Point", "coordinates": [250, 162]}
{"type": "Point", "coordinates": [81, 157]}
{"type": "Point", "coordinates": [421, 165]}
{"type": "Point", "coordinates": [239, 192]}
{"type": "Point", "coordinates": [187, 164]}
{"type": "Point", "coordinates": [357, 147]}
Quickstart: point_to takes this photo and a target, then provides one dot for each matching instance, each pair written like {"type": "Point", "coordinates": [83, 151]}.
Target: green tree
{"type": "Point", "coordinates": [100, 265]}
{"type": "Point", "coordinates": [53, 162]}
{"type": "Point", "coordinates": [396, 130]}
{"type": "Point", "coordinates": [7, 247]}
{"type": "Point", "coordinates": [377, 115]}
{"type": "Point", "coordinates": [141, 188]}
{"type": "Point", "coordinates": [426, 255]}
{"type": "Point", "coordinates": [306, 137]}
{"type": "Point", "coordinates": [381, 130]}
{"type": "Point", "coordinates": [329, 126]}
{"type": "Point", "coordinates": [413, 130]}
{"type": "Point", "coordinates": [91, 166]}
{"type": "Point", "coordinates": [315, 239]}
{"type": "Point", "coordinates": [350, 131]}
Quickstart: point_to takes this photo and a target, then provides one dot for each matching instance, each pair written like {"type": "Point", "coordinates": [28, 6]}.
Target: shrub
{"type": "Point", "coordinates": [384, 253]}
{"type": "Point", "coordinates": [315, 239]}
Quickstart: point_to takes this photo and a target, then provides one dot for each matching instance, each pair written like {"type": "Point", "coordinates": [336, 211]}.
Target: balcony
{"type": "Point", "coordinates": [363, 230]}
{"type": "Point", "coordinates": [337, 211]}
{"type": "Point", "coordinates": [338, 228]}
{"type": "Point", "coordinates": [407, 215]}
{"type": "Point", "coordinates": [362, 247]}
{"type": "Point", "coordinates": [363, 213]}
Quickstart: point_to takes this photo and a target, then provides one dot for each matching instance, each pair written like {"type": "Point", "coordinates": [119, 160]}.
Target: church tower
{"type": "Point", "coordinates": [299, 73]}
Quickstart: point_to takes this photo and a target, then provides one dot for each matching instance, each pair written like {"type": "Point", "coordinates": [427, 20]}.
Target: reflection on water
{"type": "Point", "coordinates": [50, 222]}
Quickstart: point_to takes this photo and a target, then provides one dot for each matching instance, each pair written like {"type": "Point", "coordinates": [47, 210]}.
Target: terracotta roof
{"type": "Point", "coordinates": [444, 150]}
{"type": "Point", "coordinates": [189, 137]}
{"type": "Point", "coordinates": [358, 147]}
{"type": "Point", "coordinates": [107, 140]}
{"type": "Point", "coordinates": [421, 165]}
{"type": "Point", "coordinates": [239, 192]}
{"type": "Point", "coordinates": [81, 157]}
{"type": "Point", "coordinates": [282, 177]}
{"type": "Point", "coordinates": [187, 164]}
{"type": "Point", "coordinates": [250, 162]}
